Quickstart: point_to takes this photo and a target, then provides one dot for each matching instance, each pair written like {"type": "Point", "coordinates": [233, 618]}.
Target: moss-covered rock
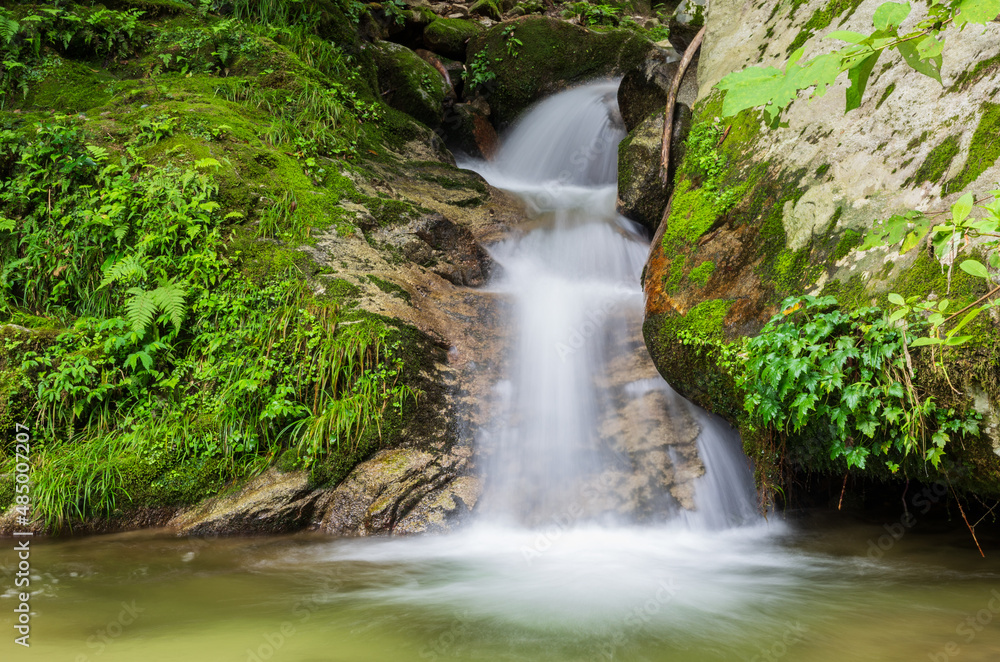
{"type": "Point", "coordinates": [409, 84]}
{"type": "Point", "coordinates": [551, 55]}
{"type": "Point", "coordinates": [801, 199]}
{"type": "Point", "coordinates": [642, 195]}
{"type": "Point", "coordinates": [450, 36]}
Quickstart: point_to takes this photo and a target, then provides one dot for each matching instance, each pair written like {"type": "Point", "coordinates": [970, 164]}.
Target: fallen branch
{"type": "Point", "coordinates": [668, 112]}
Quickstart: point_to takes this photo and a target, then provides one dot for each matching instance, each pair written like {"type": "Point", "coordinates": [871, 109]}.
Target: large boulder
{"type": "Point", "coordinates": [410, 84]}
{"type": "Point", "coordinates": [551, 55]}
{"type": "Point", "coordinates": [759, 214]}
{"type": "Point", "coordinates": [450, 36]}
{"type": "Point", "coordinates": [274, 502]}
{"type": "Point", "coordinates": [403, 490]}
{"type": "Point", "coordinates": [642, 195]}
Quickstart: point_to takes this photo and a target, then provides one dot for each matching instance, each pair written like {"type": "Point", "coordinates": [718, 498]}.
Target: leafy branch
{"type": "Point", "coordinates": [773, 89]}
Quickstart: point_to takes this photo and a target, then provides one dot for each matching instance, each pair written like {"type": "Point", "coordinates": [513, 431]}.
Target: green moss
{"type": "Point", "coordinates": [822, 19]}
{"type": "Point", "coordinates": [409, 84]}
{"type": "Point", "coordinates": [551, 53]}
{"type": "Point", "coordinates": [822, 170]}
{"type": "Point", "coordinates": [341, 289]}
{"type": "Point", "coordinates": [937, 162]}
{"type": "Point", "coordinates": [885, 95]}
{"type": "Point", "coordinates": [702, 273]}
{"type": "Point", "coordinates": [847, 243]}
{"type": "Point", "coordinates": [69, 87]}
{"type": "Point", "coordinates": [672, 282]}
{"type": "Point", "coordinates": [983, 151]}
{"type": "Point", "coordinates": [917, 141]}
{"type": "Point", "coordinates": [971, 76]}
{"type": "Point", "coordinates": [389, 287]}
{"type": "Point", "coordinates": [692, 214]}
{"type": "Point", "coordinates": [448, 36]}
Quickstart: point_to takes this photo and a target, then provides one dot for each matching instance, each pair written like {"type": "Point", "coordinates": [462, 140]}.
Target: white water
{"type": "Point", "coordinates": [573, 278]}
{"type": "Point", "coordinates": [544, 561]}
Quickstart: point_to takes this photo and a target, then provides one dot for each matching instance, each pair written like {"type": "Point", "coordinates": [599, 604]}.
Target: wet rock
{"type": "Point", "coordinates": [409, 84]}
{"type": "Point", "coordinates": [552, 55]}
{"type": "Point", "coordinates": [274, 502]}
{"type": "Point", "coordinates": [686, 21]}
{"type": "Point", "coordinates": [401, 491]}
{"type": "Point", "coordinates": [644, 89]}
{"type": "Point", "coordinates": [450, 36]}
{"type": "Point", "coordinates": [642, 194]}
{"type": "Point", "coordinates": [467, 128]}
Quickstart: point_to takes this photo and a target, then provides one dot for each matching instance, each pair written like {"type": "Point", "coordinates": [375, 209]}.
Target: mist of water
{"type": "Point", "coordinates": [573, 279]}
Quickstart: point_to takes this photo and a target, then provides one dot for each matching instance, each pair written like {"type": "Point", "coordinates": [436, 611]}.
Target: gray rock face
{"type": "Point", "coordinates": [274, 502]}
{"type": "Point", "coordinates": [403, 490]}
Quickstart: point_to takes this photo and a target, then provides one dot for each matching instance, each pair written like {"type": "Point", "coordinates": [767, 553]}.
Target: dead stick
{"type": "Point", "coordinates": [971, 530]}
{"type": "Point", "coordinates": [842, 490]}
{"type": "Point", "coordinates": [668, 112]}
{"type": "Point", "coordinates": [980, 299]}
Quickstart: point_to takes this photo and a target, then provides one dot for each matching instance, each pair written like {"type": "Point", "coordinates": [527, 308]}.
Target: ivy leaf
{"type": "Point", "coordinates": [975, 268]}
{"type": "Point", "coordinates": [930, 67]}
{"type": "Point", "coordinates": [858, 75]}
{"type": "Point", "coordinates": [890, 14]}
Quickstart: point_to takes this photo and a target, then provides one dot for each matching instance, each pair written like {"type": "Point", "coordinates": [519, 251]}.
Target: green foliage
{"type": "Point", "coordinates": [477, 73]}
{"type": "Point", "coordinates": [513, 43]}
{"type": "Point", "coordinates": [171, 354]}
{"type": "Point", "coordinates": [847, 378]}
{"type": "Point", "coordinates": [101, 32]}
{"type": "Point", "coordinates": [599, 14]}
{"type": "Point", "coordinates": [921, 49]}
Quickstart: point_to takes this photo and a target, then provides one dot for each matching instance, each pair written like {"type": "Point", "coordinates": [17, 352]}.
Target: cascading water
{"type": "Point", "coordinates": [573, 279]}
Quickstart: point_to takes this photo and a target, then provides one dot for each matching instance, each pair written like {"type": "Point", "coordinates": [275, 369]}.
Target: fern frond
{"type": "Point", "coordinates": [8, 29]}
{"type": "Point", "coordinates": [139, 310]}
{"type": "Point", "coordinates": [125, 269]}
{"type": "Point", "coordinates": [169, 298]}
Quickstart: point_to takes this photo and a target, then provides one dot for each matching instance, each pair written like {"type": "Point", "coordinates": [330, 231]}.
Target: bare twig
{"type": "Point", "coordinates": [668, 112]}
{"type": "Point", "coordinates": [971, 530]}
{"type": "Point", "coordinates": [842, 490]}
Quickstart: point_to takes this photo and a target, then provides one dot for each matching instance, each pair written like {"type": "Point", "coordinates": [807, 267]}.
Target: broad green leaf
{"type": "Point", "coordinates": [922, 342]}
{"type": "Point", "coordinates": [848, 36]}
{"type": "Point", "coordinates": [896, 299]}
{"type": "Point", "coordinates": [975, 268]}
{"type": "Point", "coordinates": [858, 75]}
{"type": "Point", "coordinates": [943, 305]}
{"type": "Point", "coordinates": [971, 315]}
{"type": "Point", "coordinates": [930, 67]}
{"type": "Point", "coordinates": [957, 340]}
{"type": "Point", "coordinates": [899, 314]}
{"type": "Point", "coordinates": [913, 239]}
{"type": "Point", "coordinates": [962, 208]}
{"type": "Point", "coordinates": [929, 47]}
{"type": "Point", "coordinates": [750, 88]}
{"type": "Point", "coordinates": [977, 11]}
{"type": "Point", "coordinates": [995, 260]}
{"type": "Point", "coordinates": [890, 14]}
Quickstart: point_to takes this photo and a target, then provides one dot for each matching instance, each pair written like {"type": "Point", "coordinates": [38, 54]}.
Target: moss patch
{"type": "Point", "coordinates": [822, 19]}
{"type": "Point", "coordinates": [937, 162]}
{"type": "Point", "coordinates": [983, 151]}
{"type": "Point", "coordinates": [848, 242]}
{"type": "Point", "coordinates": [700, 274]}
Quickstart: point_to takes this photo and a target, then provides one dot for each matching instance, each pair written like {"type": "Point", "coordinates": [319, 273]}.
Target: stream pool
{"type": "Point", "coordinates": [814, 591]}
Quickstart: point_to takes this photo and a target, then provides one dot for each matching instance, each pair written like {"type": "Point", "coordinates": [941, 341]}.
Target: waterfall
{"type": "Point", "coordinates": [582, 417]}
